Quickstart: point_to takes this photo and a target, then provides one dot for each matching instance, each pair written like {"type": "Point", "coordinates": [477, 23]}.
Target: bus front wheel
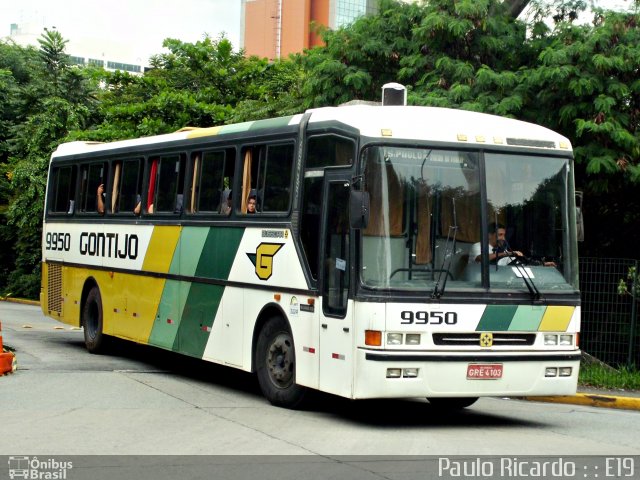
{"type": "Point", "coordinates": [452, 403]}
{"type": "Point", "coordinates": [92, 321]}
{"type": "Point", "coordinates": [275, 365]}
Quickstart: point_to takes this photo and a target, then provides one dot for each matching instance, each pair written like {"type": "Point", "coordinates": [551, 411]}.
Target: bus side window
{"type": "Point", "coordinates": [92, 176]}
{"type": "Point", "coordinates": [166, 186]}
{"type": "Point", "coordinates": [329, 151]}
{"type": "Point", "coordinates": [128, 187]}
{"type": "Point", "coordinates": [215, 178]}
{"type": "Point", "coordinates": [63, 189]}
{"type": "Point", "coordinates": [266, 175]}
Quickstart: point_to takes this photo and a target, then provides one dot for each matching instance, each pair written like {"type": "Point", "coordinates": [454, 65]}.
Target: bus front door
{"type": "Point", "coordinates": [336, 352]}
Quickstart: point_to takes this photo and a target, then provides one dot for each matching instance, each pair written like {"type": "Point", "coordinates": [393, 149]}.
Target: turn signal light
{"type": "Point", "coordinates": [373, 338]}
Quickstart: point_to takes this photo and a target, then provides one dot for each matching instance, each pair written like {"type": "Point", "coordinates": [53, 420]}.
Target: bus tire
{"type": "Point", "coordinates": [275, 364]}
{"type": "Point", "coordinates": [93, 322]}
{"type": "Point", "coordinates": [452, 403]}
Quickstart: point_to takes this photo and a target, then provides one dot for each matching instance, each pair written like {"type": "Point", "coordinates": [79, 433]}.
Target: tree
{"type": "Point", "coordinates": [52, 53]}
{"type": "Point", "coordinates": [580, 80]}
{"type": "Point", "coordinates": [48, 99]}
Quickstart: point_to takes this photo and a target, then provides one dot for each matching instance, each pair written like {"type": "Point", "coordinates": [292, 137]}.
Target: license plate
{"type": "Point", "coordinates": [484, 371]}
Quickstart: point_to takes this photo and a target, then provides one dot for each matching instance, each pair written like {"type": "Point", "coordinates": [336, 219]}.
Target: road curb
{"type": "Point", "coordinates": [592, 400]}
{"type": "Point", "coordinates": [23, 301]}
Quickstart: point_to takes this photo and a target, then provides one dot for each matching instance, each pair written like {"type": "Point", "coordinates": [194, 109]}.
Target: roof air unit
{"type": "Point", "coordinates": [394, 94]}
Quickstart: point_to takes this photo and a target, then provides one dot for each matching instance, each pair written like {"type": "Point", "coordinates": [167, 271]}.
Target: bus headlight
{"type": "Point", "coordinates": [394, 339]}
{"type": "Point", "coordinates": [565, 371]}
{"type": "Point", "coordinates": [413, 339]}
{"type": "Point", "coordinates": [551, 372]}
{"type": "Point", "coordinates": [550, 339]}
{"type": "Point", "coordinates": [566, 340]}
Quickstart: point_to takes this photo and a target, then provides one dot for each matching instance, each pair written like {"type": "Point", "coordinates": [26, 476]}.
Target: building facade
{"type": "Point", "coordinates": [276, 28]}
{"type": "Point", "coordinates": [109, 54]}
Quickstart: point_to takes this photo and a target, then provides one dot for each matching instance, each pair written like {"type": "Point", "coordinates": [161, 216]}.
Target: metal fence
{"type": "Point", "coordinates": [609, 330]}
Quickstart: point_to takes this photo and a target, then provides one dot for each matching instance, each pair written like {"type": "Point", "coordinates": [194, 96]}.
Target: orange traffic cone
{"type": "Point", "coordinates": [7, 359]}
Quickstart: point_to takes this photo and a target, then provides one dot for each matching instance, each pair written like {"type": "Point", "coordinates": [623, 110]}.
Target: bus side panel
{"type": "Point", "coordinates": [304, 320]}
{"type": "Point", "coordinates": [132, 305]}
{"type": "Point", "coordinates": [264, 257]}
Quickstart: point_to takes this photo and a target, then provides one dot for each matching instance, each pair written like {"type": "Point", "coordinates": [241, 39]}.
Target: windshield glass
{"type": "Point", "coordinates": [526, 199]}
{"type": "Point", "coordinates": [417, 199]}
{"type": "Point", "coordinates": [425, 225]}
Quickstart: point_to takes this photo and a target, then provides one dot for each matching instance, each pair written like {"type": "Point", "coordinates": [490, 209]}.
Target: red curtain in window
{"type": "Point", "coordinates": [152, 182]}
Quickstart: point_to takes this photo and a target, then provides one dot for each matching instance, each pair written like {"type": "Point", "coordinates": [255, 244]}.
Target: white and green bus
{"type": "Point", "coordinates": [349, 250]}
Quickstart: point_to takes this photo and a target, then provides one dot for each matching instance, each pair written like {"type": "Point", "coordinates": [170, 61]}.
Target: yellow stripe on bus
{"type": "Point", "coordinates": [161, 248]}
{"type": "Point", "coordinates": [203, 132]}
{"type": "Point", "coordinates": [556, 319]}
{"type": "Point", "coordinates": [135, 318]}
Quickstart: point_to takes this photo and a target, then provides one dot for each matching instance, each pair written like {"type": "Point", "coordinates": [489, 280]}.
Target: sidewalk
{"type": "Point", "coordinates": [593, 397]}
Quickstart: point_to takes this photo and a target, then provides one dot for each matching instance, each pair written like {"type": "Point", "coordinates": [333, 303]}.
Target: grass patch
{"type": "Point", "coordinates": [604, 376]}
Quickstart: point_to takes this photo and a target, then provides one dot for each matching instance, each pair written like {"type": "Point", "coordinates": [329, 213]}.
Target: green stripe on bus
{"type": "Point", "coordinates": [271, 123]}
{"type": "Point", "coordinates": [201, 308]}
{"type": "Point", "coordinates": [187, 254]}
{"type": "Point", "coordinates": [236, 127]}
{"type": "Point", "coordinates": [527, 318]}
{"type": "Point", "coordinates": [218, 252]}
{"type": "Point", "coordinates": [496, 318]}
{"type": "Point", "coordinates": [167, 321]}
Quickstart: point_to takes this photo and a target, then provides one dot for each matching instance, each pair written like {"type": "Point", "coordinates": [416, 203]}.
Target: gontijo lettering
{"type": "Point", "coordinates": [111, 245]}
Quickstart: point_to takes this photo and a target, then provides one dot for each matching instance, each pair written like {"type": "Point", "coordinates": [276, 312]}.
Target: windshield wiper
{"type": "Point", "coordinates": [451, 239]}
{"type": "Point", "coordinates": [526, 278]}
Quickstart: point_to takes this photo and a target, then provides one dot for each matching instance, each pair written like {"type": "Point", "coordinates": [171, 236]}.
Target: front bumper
{"type": "Point", "coordinates": [445, 374]}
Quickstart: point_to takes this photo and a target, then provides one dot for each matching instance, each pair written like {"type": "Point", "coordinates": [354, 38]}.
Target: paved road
{"type": "Point", "coordinates": [139, 400]}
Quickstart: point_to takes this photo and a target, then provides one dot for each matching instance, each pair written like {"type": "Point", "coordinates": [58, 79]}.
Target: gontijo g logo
{"type": "Point", "coordinates": [263, 259]}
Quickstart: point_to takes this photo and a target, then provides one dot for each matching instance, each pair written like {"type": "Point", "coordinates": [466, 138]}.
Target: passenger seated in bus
{"type": "Point", "coordinates": [226, 207]}
{"type": "Point", "coordinates": [100, 199]}
{"type": "Point", "coordinates": [251, 204]}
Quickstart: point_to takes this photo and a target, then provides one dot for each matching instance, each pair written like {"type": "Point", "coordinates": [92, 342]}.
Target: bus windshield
{"type": "Point", "coordinates": [426, 228]}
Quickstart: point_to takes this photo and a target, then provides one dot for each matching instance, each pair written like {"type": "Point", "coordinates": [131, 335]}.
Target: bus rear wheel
{"type": "Point", "coordinates": [452, 403]}
{"type": "Point", "coordinates": [275, 365]}
{"type": "Point", "coordinates": [92, 321]}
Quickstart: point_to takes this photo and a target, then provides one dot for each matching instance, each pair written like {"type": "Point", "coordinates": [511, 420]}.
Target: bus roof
{"type": "Point", "coordinates": [441, 124]}
{"type": "Point", "coordinates": [388, 122]}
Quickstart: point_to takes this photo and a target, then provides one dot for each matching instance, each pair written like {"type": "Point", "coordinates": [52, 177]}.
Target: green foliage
{"type": "Point", "coordinates": [358, 59]}
{"type": "Point", "coordinates": [197, 85]}
{"type": "Point", "coordinates": [603, 376]}
{"type": "Point", "coordinates": [41, 100]}
{"type": "Point", "coordinates": [631, 284]}
{"type": "Point", "coordinates": [580, 80]}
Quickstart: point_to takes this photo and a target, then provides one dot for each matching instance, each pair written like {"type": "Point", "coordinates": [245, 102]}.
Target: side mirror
{"type": "Point", "coordinates": [359, 209]}
{"type": "Point", "coordinates": [579, 217]}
